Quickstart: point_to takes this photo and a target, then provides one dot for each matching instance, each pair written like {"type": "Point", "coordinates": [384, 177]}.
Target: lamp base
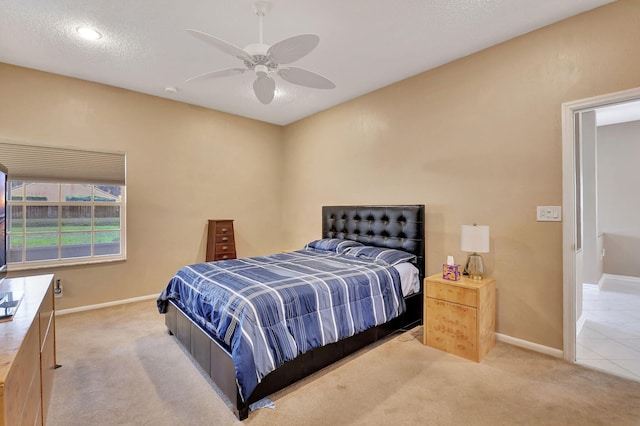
{"type": "Point", "coordinates": [474, 267]}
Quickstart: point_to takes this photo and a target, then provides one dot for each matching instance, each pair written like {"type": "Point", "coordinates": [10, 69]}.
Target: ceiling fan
{"type": "Point", "coordinates": [267, 60]}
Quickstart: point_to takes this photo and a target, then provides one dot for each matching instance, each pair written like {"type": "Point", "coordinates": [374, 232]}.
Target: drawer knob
{"type": "Point", "coordinates": [225, 247]}
{"type": "Point", "coordinates": [225, 257]}
{"type": "Point", "coordinates": [224, 229]}
{"type": "Point", "coordinates": [225, 239]}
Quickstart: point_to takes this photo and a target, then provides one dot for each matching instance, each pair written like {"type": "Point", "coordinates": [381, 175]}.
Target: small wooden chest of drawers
{"type": "Point", "coordinates": [221, 244]}
{"type": "Point", "coordinates": [460, 316]}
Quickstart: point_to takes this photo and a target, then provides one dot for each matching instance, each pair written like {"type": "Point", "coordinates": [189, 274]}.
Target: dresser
{"type": "Point", "coordinates": [27, 352]}
{"type": "Point", "coordinates": [460, 316]}
{"type": "Point", "coordinates": [221, 243]}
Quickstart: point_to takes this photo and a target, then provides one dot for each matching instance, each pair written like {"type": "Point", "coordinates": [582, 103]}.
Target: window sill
{"type": "Point", "coordinates": [59, 264]}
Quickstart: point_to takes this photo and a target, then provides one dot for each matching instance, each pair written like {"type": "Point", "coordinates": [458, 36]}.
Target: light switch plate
{"type": "Point", "coordinates": [549, 213]}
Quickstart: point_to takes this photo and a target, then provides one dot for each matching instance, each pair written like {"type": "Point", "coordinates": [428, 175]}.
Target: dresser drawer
{"type": "Point", "coordinates": [225, 256]}
{"type": "Point", "coordinates": [46, 314]}
{"type": "Point", "coordinates": [47, 366]}
{"type": "Point", "coordinates": [225, 248]}
{"type": "Point", "coordinates": [224, 227]}
{"type": "Point", "coordinates": [224, 238]}
{"type": "Point", "coordinates": [452, 293]}
{"type": "Point", "coordinates": [24, 381]}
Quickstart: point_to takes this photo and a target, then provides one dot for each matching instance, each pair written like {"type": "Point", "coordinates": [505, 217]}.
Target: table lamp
{"type": "Point", "coordinates": [474, 239]}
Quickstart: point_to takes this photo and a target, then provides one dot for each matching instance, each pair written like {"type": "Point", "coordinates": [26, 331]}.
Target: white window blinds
{"type": "Point", "coordinates": [38, 163]}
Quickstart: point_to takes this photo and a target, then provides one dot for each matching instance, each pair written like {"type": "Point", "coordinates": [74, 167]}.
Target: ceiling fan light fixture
{"type": "Point", "coordinates": [267, 60]}
{"type": "Point", "coordinates": [261, 69]}
{"type": "Point", "coordinates": [264, 88]}
{"type": "Point", "coordinates": [88, 33]}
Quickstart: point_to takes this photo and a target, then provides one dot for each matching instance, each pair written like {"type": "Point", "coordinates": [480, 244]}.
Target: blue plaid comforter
{"type": "Point", "coordinates": [270, 309]}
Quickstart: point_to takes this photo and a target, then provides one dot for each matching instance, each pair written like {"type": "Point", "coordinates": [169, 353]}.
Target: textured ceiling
{"type": "Point", "coordinates": [364, 44]}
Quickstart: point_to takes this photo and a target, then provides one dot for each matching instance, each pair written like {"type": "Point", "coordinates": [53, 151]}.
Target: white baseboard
{"type": "Point", "coordinates": [603, 278]}
{"type": "Point", "coordinates": [620, 280]}
{"type": "Point", "coordinates": [557, 353]}
{"type": "Point", "coordinates": [105, 305]}
{"type": "Point", "coordinates": [622, 277]}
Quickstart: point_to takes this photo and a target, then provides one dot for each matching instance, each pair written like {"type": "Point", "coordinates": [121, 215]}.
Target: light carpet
{"type": "Point", "coordinates": [120, 367]}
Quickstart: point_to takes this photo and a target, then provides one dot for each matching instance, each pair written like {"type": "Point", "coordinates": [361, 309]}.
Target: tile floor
{"type": "Point", "coordinates": [610, 337]}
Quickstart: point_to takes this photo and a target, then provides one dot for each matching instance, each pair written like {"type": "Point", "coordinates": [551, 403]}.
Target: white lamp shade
{"type": "Point", "coordinates": [474, 238]}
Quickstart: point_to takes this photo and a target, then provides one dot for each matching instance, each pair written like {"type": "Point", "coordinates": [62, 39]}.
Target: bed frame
{"type": "Point", "coordinates": [400, 227]}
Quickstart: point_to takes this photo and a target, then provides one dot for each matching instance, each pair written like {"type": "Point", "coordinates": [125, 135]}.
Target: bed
{"type": "Point", "coordinates": [222, 336]}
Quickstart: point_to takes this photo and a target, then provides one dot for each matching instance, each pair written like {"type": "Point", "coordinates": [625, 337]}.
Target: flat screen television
{"type": "Point", "coordinates": [3, 221]}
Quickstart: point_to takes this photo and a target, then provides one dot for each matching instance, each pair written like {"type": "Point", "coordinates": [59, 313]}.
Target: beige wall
{"type": "Point", "coordinates": [184, 165]}
{"type": "Point", "coordinates": [476, 140]}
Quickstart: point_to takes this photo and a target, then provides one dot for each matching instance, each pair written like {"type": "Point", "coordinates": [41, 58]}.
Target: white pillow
{"type": "Point", "coordinates": [409, 278]}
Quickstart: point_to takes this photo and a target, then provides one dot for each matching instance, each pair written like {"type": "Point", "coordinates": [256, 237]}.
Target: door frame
{"type": "Point", "coordinates": [569, 207]}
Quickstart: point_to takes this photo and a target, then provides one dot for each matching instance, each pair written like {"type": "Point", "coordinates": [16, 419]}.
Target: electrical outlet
{"type": "Point", "coordinates": [549, 214]}
{"type": "Point", "coordinates": [57, 289]}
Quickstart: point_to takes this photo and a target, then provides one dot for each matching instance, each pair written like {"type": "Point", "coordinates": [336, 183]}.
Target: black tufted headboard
{"type": "Point", "coordinates": [400, 227]}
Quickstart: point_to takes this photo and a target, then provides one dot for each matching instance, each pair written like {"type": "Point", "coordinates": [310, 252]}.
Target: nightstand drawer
{"type": "Point", "coordinates": [452, 293]}
{"type": "Point", "coordinates": [452, 328]}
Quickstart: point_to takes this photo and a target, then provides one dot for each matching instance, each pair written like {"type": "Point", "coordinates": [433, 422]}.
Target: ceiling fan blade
{"type": "Point", "coordinates": [224, 46]}
{"type": "Point", "coordinates": [305, 78]}
{"type": "Point", "coordinates": [293, 48]}
{"type": "Point", "coordinates": [264, 88]}
{"type": "Point", "coordinates": [217, 74]}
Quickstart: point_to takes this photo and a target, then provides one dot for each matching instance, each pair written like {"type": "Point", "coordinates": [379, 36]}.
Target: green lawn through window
{"type": "Point", "coordinates": [45, 236]}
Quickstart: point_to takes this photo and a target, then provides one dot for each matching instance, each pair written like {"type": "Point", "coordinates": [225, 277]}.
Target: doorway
{"type": "Point", "coordinates": [582, 244]}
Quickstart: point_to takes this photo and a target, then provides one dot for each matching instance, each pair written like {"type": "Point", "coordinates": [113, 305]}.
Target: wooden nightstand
{"type": "Point", "coordinates": [460, 316]}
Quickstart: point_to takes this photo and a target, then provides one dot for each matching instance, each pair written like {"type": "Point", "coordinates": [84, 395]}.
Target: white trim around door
{"type": "Point", "coordinates": [569, 232]}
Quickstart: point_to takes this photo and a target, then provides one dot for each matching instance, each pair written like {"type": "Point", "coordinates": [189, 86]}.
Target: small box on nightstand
{"type": "Point", "coordinates": [451, 272]}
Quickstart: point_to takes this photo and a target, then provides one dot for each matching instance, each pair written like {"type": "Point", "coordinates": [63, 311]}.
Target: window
{"type": "Point", "coordinates": [55, 222]}
{"type": "Point", "coordinates": [65, 206]}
